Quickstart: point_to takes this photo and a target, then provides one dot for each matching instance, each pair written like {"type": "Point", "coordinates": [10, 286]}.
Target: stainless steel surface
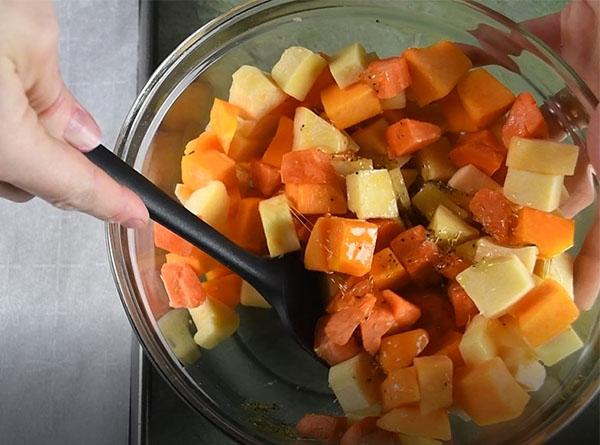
{"type": "Point", "coordinates": [65, 348]}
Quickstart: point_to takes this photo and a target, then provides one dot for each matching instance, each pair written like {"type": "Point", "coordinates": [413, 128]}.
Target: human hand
{"type": "Point", "coordinates": [44, 131]}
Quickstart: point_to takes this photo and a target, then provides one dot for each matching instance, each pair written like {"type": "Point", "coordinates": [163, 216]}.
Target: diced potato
{"type": "Point", "coordinates": [397, 102]}
{"type": "Point", "coordinates": [297, 70]}
{"type": "Point", "coordinates": [214, 322]}
{"type": "Point", "coordinates": [470, 179]}
{"type": "Point", "coordinates": [255, 92]}
{"type": "Point", "coordinates": [467, 250]}
{"type": "Point", "coordinates": [409, 420]}
{"type": "Point", "coordinates": [486, 248]}
{"type": "Point", "coordinates": [355, 383]}
{"type": "Point", "coordinates": [542, 156]}
{"type": "Point", "coordinates": [175, 326]}
{"type": "Point", "coordinates": [542, 192]}
{"type": "Point", "coordinates": [278, 225]}
{"type": "Point", "coordinates": [249, 296]}
{"type": "Point", "coordinates": [371, 194]}
{"type": "Point", "coordinates": [183, 192]}
{"type": "Point", "coordinates": [372, 411]}
{"type": "Point", "coordinates": [477, 344]}
{"type": "Point", "coordinates": [210, 203]}
{"type": "Point", "coordinates": [449, 228]}
{"type": "Point", "coordinates": [405, 439]}
{"type": "Point", "coordinates": [434, 374]}
{"type": "Point", "coordinates": [400, 188]}
{"type": "Point", "coordinates": [431, 196]}
{"type": "Point", "coordinates": [311, 131]}
{"type": "Point", "coordinates": [495, 284]}
{"type": "Point", "coordinates": [433, 161]}
{"type": "Point", "coordinates": [347, 65]}
{"type": "Point", "coordinates": [559, 268]}
{"type": "Point", "coordinates": [560, 347]}
{"type": "Point", "coordinates": [564, 195]}
{"type": "Point", "coordinates": [345, 168]}
{"type": "Point", "coordinates": [409, 175]}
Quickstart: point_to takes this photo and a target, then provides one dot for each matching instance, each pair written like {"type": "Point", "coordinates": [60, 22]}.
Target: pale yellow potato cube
{"type": "Point", "coordinates": [542, 156]}
{"type": "Point", "coordinates": [397, 102]}
{"type": "Point", "coordinates": [297, 70]}
{"type": "Point", "coordinates": [449, 228]}
{"type": "Point", "coordinates": [255, 92]}
{"type": "Point", "coordinates": [542, 192]}
{"type": "Point", "coordinates": [312, 131]}
{"type": "Point", "coordinates": [431, 196]}
{"type": "Point", "coordinates": [477, 344]}
{"type": "Point", "coordinates": [400, 189]}
{"type": "Point", "coordinates": [495, 284]}
{"type": "Point", "coordinates": [487, 248]}
{"type": "Point", "coordinates": [433, 161]}
{"type": "Point", "coordinates": [249, 296]}
{"type": "Point", "coordinates": [278, 225]}
{"type": "Point", "coordinates": [214, 322]}
{"type": "Point", "coordinates": [175, 327]}
{"type": "Point", "coordinates": [409, 175]}
{"type": "Point", "coordinates": [467, 250]}
{"type": "Point", "coordinates": [345, 168]}
{"type": "Point", "coordinates": [405, 439]}
{"type": "Point", "coordinates": [559, 268]}
{"type": "Point", "coordinates": [354, 383]}
{"type": "Point", "coordinates": [371, 194]}
{"type": "Point", "coordinates": [564, 195]}
{"type": "Point", "coordinates": [347, 65]}
{"type": "Point", "coordinates": [560, 347]}
{"type": "Point", "coordinates": [470, 179]}
{"type": "Point", "coordinates": [210, 203]}
{"type": "Point", "coordinates": [183, 192]}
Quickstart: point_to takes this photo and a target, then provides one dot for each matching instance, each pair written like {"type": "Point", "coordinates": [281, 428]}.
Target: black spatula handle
{"type": "Point", "coordinates": [171, 214]}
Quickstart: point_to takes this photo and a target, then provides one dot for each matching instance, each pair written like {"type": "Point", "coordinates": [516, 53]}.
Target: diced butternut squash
{"type": "Point", "coordinates": [449, 346]}
{"type": "Point", "coordinates": [464, 308]}
{"type": "Point", "coordinates": [182, 285]}
{"type": "Point", "coordinates": [495, 284]}
{"type": "Point", "coordinates": [175, 327]}
{"type": "Point", "coordinates": [487, 248]}
{"type": "Point", "coordinates": [536, 190]}
{"type": "Point", "coordinates": [249, 296]}
{"type": "Point", "coordinates": [488, 393]}
{"type": "Point", "coordinates": [484, 98]}
{"type": "Point", "coordinates": [525, 120]}
{"type": "Point", "coordinates": [265, 178]}
{"type": "Point", "coordinates": [387, 271]}
{"type": "Point", "coordinates": [355, 383]}
{"type": "Point", "coordinates": [405, 313]}
{"type": "Point", "coordinates": [347, 65]}
{"type": "Point", "coordinates": [246, 229]}
{"type": "Point", "coordinates": [457, 118]}
{"type": "Point", "coordinates": [545, 312]}
{"type": "Point", "coordinates": [279, 228]}
{"type": "Point", "coordinates": [215, 322]}
{"type": "Point", "coordinates": [470, 179]}
{"type": "Point", "coordinates": [330, 351]}
{"type": "Point", "coordinates": [431, 196]}
{"type": "Point", "coordinates": [210, 203]}
{"type": "Point", "coordinates": [297, 70]}
{"type": "Point", "coordinates": [560, 347]}
{"type": "Point", "coordinates": [408, 135]}
{"type": "Point", "coordinates": [371, 194]}
{"type": "Point", "coordinates": [345, 168]}
{"type": "Point", "coordinates": [399, 350]}
{"type": "Point", "coordinates": [350, 106]}
{"type": "Point", "coordinates": [388, 77]}
{"type": "Point", "coordinates": [433, 161]}
{"type": "Point", "coordinates": [317, 199]}
{"type": "Point", "coordinates": [312, 131]}
{"type": "Point", "coordinates": [224, 121]}
{"type": "Point", "coordinates": [225, 289]}
{"type": "Point", "coordinates": [540, 156]}
{"type": "Point", "coordinates": [448, 228]}
{"type": "Point", "coordinates": [477, 344]}
{"type": "Point", "coordinates": [321, 427]}
{"type": "Point", "coordinates": [255, 92]}
{"type": "Point", "coordinates": [418, 254]}
{"type": "Point", "coordinates": [207, 140]}
{"type": "Point", "coordinates": [400, 388]}
{"type": "Point", "coordinates": [494, 212]}
{"type": "Point", "coordinates": [435, 70]}
{"type": "Point", "coordinates": [434, 374]}
{"type": "Point", "coordinates": [199, 168]}
{"type": "Point", "coordinates": [281, 143]}
{"type": "Point", "coordinates": [552, 234]}
{"type": "Point", "coordinates": [409, 420]}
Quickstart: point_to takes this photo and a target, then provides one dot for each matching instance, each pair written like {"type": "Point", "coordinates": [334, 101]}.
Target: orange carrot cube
{"type": "Point", "coordinates": [182, 285]}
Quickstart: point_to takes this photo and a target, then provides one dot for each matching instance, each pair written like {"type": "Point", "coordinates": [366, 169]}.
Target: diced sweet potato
{"type": "Point", "coordinates": [182, 285]}
{"type": "Point", "coordinates": [387, 271]}
{"type": "Point", "coordinates": [281, 143]}
{"type": "Point", "coordinates": [246, 229]}
{"type": "Point", "coordinates": [450, 265]}
{"type": "Point", "coordinates": [308, 167]}
{"type": "Point", "coordinates": [409, 420]}
{"type": "Point", "coordinates": [434, 374]}
{"type": "Point", "coordinates": [418, 254]}
{"type": "Point", "coordinates": [342, 324]}
{"type": "Point", "coordinates": [317, 199]}
{"type": "Point", "coordinates": [329, 351]}
{"type": "Point", "coordinates": [401, 387]}
{"type": "Point", "coordinates": [265, 178]}
{"type": "Point", "coordinates": [408, 135]}
{"type": "Point", "coordinates": [524, 120]}
{"type": "Point", "coordinates": [448, 345]}
{"type": "Point", "coordinates": [225, 288]}
{"type": "Point", "coordinates": [350, 106]}
{"type": "Point", "coordinates": [387, 230]}
{"type": "Point", "coordinates": [388, 77]}
{"type": "Point", "coordinates": [494, 212]}
{"type": "Point", "coordinates": [405, 313]}
{"type": "Point", "coordinates": [375, 326]}
{"type": "Point", "coordinates": [399, 350]}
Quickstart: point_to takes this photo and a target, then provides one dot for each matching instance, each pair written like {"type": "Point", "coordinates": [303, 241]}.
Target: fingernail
{"type": "Point", "coordinates": [135, 223]}
{"type": "Point", "coordinates": [82, 131]}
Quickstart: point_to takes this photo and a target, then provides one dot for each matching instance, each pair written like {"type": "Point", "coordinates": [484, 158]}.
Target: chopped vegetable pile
{"type": "Point", "coordinates": [430, 196]}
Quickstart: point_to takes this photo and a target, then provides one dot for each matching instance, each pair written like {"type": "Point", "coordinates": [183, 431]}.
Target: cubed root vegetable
{"type": "Point", "coordinates": [226, 289]}
{"type": "Point", "coordinates": [265, 178]}
{"type": "Point", "coordinates": [351, 105]}
{"type": "Point", "coordinates": [541, 156]}
{"type": "Point", "coordinates": [321, 427]}
{"type": "Point", "coordinates": [342, 324]}
{"type": "Point", "coordinates": [387, 230]}
{"type": "Point", "coordinates": [308, 167]}
{"type": "Point", "coordinates": [200, 168]}
{"type": "Point", "coordinates": [450, 265]}
{"type": "Point", "coordinates": [448, 345]}
{"type": "Point", "coordinates": [329, 351]}
{"type": "Point", "coordinates": [464, 308]}
{"type": "Point", "coordinates": [552, 234]}
{"type": "Point", "coordinates": [494, 212]}
{"type": "Point", "coordinates": [182, 285]}
{"type": "Point", "coordinates": [355, 383]}
{"type": "Point", "coordinates": [224, 121]}
{"type": "Point", "coordinates": [559, 347]}
{"type": "Point", "coordinates": [297, 70]}
{"type": "Point", "coordinates": [317, 199]}
{"type": "Point", "coordinates": [418, 254]}
{"type": "Point", "coordinates": [434, 374]}
{"type": "Point", "coordinates": [281, 143]}
{"type": "Point", "coordinates": [246, 229]}
{"type": "Point", "coordinates": [405, 313]}
{"type": "Point", "coordinates": [524, 120]}
{"type": "Point", "coordinates": [207, 140]}
{"type": "Point", "coordinates": [457, 118]}
{"type": "Point", "coordinates": [483, 156]}
{"type": "Point", "coordinates": [375, 326]}
{"type": "Point", "coordinates": [545, 312]}
{"type": "Point", "coordinates": [409, 420]}
{"type": "Point", "coordinates": [192, 261]}
{"type": "Point", "coordinates": [278, 225]}
{"type": "Point", "coordinates": [388, 77]}
{"type": "Point", "coordinates": [400, 388]}
{"type": "Point", "coordinates": [399, 350]}
{"type": "Point", "coordinates": [387, 271]}
{"type": "Point", "coordinates": [408, 135]}
{"type": "Point", "coordinates": [215, 322]}
{"type": "Point", "coordinates": [360, 432]}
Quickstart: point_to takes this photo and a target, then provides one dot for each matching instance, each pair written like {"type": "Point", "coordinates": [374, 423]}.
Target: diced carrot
{"type": "Point", "coordinates": [483, 156]}
{"type": "Point", "coordinates": [341, 325]}
{"type": "Point", "coordinates": [225, 288]}
{"type": "Point", "coordinates": [358, 432]}
{"type": "Point", "coordinates": [405, 313]}
{"type": "Point", "coordinates": [494, 212]}
{"type": "Point", "coordinates": [524, 120]}
{"type": "Point", "coordinates": [400, 388]}
{"type": "Point", "coordinates": [399, 350]}
{"type": "Point", "coordinates": [350, 106]}
{"type": "Point", "coordinates": [418, 254]}
{"type": "Point", "coordinates": [448, 345]}
{"type": "Point", "coordinates": [387, 230]}
{"type": "Point", "coordinates": [216, 272]}
{"type": "Point", "coordinates": [182, 285]}
{"type": "Point", "coordinates": [166, 240]}
{"type": "Point", "coordinates": [434, 374]}
{"type": "Point", "coordinates": [387, 271]}
{"type": "Point", "coordinates": [435, 70]}
{"type": "Point", "coordinates": [329, 351]}
{"type": "Point", "coordinates": [207, 140]}
{"type": "Point", "coordinates": [313, 98]}
{"type": "Point", "coordinates": [281, 142]}
{"type": "Point", "coordinates": [266, 178]}
{"type": "Point", "coordinates": [375, 326]}
{"type": "Point", "coordinates": [349, 294]}
{"type": "Point", "coordinates": [308, 167]}
{"type": "Point", "coordinates": [546, 311]}
{"type": "Point", "coordinates": [484, 97]}
{"type": "Point", "coordinates": [192, 261]}
{"type": "Point", "coordinates": [436, 312]}
{"type": "Point", "coordinates": [464, 308]}
{"type": "Point", "coordinates": [224, 121]}
{"type": "Point", "coordinates": [408, 135]}
{"type": "Point", "coordinates": [199, 168]}
{"type": "Point", "coordinates": [320, 427]}
{"type": "Point", "coordinates": [450, 265]}
{"type": "Point", "coordinates": [552, 234]}
{"type": "Point", "coordinates": [388, 77]}
{"type": "Point", "coordinates": [312, 199]}
{"type": "Point", "coordinates": [456, 116]}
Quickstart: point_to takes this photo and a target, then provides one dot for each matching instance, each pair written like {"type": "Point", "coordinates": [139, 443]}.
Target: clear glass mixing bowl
{"type": "Point", "coordinates": [256, 385]}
